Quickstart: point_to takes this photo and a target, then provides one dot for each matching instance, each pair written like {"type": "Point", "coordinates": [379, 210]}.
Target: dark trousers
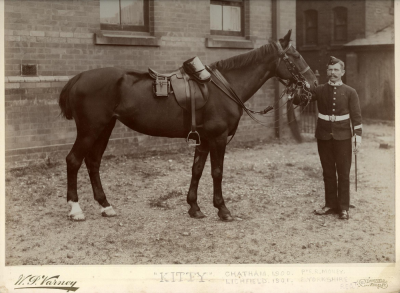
{"type": "Point", "coordinates": [335, 156]}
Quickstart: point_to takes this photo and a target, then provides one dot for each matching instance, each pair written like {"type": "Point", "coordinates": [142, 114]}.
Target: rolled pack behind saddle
{"type": "Point", "coordinates": [189, 86]}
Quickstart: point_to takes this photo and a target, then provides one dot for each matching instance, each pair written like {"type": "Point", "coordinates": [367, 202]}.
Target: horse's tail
{"type": "Point", "coordinates": [63, 101]}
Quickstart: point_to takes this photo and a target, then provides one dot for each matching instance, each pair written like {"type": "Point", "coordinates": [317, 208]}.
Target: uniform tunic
{"type": "Point", "coordinates": [337, 100]}
{"type": "Point", "coordinates": [334, 140]}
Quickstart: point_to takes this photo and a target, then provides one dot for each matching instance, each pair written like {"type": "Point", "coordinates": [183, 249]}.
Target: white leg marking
{"type": "Point", "coordinates": [108, 212]}
{"type": "Point", "coordinates": [76, 212]}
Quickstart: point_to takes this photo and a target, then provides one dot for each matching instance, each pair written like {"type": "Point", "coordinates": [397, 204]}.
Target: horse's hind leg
{"type": "Point", "coordinates": [200, 158]}
{"type": "Point", "coordinates": [93, 161]}
{"type": "Point", "coordinates": [84, 141]}
{"type": "Point", "coordinates": [74, 162]}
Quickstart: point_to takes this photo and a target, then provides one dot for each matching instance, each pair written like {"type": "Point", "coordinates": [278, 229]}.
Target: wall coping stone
{"type": "Point", "coordinates": [20, 79]}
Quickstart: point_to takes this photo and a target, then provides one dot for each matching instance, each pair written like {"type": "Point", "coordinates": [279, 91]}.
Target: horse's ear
{"type": "Point", "coordinates": [286, 39]}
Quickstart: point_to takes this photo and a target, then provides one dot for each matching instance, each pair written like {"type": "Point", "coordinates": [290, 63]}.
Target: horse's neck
{"type": "Point", "coordinates": [248, 80]}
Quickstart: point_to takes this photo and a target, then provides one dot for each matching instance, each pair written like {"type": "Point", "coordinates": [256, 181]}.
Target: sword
{"type": "Point", "coordinates": [355, 159]}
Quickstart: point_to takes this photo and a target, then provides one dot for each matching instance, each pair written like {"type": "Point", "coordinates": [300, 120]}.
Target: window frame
{"type": "Point", "coordinates": [133, 28]}
{"type": "Point", "coordinates": [313, 14]}
{"type": "Point", "coordinates": [337, 11]}
{"type": "Point", "coordinates": [240, 4]}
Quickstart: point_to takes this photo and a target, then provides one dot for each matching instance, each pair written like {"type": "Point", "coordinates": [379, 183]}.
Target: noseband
{"type": "Point", "coordinates": [297, 82]}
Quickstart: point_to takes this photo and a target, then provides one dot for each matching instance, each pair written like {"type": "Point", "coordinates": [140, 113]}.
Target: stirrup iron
{"type": "Point", "coordinates": [189, 141]}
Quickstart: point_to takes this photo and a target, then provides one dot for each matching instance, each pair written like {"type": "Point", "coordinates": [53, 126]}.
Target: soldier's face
{"type": "Point", "coordinates": [335, 72]}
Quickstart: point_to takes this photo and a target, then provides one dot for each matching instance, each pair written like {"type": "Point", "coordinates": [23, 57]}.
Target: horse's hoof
{"type": "Point", "coordinates": [108, 212]}
{"type": "Point", "coordinates": [77, 217]}
{"type": "Point", "coordinates": [226, 217]}
{"type": "Point", "coordinates": [197, 215]}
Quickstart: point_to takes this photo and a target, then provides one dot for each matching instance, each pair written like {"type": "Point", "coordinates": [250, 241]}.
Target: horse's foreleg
{"type": "Point", "coordinates": [200, 158]}
{"type": "Point", "coordinates": [217, 153]}
{"type": "Point", "coordinates": [93, 161]}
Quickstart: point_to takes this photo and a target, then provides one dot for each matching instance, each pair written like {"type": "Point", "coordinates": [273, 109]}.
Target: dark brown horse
{"type": "Point", "coordinates": [97, 98]}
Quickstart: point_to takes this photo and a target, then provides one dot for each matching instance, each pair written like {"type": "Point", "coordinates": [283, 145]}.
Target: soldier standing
{"type": "Point", "coordinates": [338, 104]}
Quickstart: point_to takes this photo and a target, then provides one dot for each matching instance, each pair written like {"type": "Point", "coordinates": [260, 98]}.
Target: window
{"type": "Point", "coordinates": [126, 15]}
{"type": "Point", "coordinates": [340, 24]}
{"type": "Point", "coordinates": [311, 27]}
{"type": "Point", "coordinates": [227, 17]}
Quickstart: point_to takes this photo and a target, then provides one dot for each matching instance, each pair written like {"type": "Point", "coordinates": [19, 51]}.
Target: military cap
{"type": "Point", "coordinates": [333, 60]}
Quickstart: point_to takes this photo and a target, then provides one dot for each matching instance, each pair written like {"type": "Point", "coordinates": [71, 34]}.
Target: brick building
{"type": "Point", "coordinates": [48, 41]}
{"type": "Point", "coordinates": [361, 33]}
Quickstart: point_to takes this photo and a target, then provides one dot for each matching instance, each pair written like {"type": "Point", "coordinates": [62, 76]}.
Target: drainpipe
{"type": "Point", "coordinates": [277, 108]}
{"type": "Point", "coordinates": [317, 75]}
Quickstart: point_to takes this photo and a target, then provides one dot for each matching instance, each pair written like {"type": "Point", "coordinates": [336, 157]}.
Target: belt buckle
{"type": "Point", "coordinates": [332, 118]}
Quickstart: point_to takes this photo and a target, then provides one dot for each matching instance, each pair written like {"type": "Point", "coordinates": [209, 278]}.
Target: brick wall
{"type": "Point", "coordinates": [378, 15]}
{"type": "Point", "coordinates": [287, 19]}
{"type": "Point", "coordinates": [355, 18]}
{"type": "Point", "coordinates": [364, 18]}
{"type": "Point", "coordinates": [59, 36]}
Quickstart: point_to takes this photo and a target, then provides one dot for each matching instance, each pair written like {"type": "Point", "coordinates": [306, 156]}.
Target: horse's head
{"type": "Point", "coordinates": [293, 71]}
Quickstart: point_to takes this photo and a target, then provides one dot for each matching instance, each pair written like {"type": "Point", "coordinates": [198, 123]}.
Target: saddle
{"type": "Point", "coordinates": [189, 86]}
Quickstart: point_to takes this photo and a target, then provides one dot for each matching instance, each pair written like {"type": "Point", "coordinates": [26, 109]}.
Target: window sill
{"type": "Point", "coordinates": [126, 39]}
{"type": "Point", "coordinates": [309, 48]}
{"type": "Point", "coordinates": [229, 42]}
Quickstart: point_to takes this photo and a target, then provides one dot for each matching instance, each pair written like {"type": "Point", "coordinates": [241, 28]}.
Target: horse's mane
{"type": "Point", "coordinates": [249, 58]}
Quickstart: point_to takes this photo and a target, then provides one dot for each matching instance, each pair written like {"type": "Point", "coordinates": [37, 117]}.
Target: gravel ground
{"type": "Point", "coordinates": [271, 189]}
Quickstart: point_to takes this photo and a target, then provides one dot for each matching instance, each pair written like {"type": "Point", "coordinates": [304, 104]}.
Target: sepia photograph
{"type": "Point", "coordinates": [198, 145]}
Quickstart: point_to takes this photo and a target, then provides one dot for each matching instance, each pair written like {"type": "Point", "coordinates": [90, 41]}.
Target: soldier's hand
{"type": "Point", "coordinates": [356, 143]}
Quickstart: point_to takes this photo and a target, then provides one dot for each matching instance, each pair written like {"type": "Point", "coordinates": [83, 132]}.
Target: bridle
{"type": "Point", "coordinates": [297, 82]}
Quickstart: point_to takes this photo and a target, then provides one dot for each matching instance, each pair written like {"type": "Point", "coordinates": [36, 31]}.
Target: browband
{"type": "Point", "coordinates": [281, 50]}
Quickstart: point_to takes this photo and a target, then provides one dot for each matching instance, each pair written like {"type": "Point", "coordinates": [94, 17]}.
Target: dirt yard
{"type": "Point", "coordinates": [271, 189]}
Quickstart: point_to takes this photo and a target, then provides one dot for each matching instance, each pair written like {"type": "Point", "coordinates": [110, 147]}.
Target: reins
{"type": "Point", "coordinates": [231, 92]}
{"type": "Point", "coordinates": [290, 87]}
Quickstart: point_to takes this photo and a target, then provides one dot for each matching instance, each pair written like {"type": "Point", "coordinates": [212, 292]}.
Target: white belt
{"type": "Point", "coordinates": [333, 118]}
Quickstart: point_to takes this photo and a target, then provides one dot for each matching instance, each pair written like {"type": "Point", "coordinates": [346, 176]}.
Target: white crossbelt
{"type": "Point", "coordinates": [333, 118]}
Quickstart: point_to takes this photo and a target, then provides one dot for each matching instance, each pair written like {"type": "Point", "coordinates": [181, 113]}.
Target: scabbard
{"type": "Point", "coordinates": [355, 161]}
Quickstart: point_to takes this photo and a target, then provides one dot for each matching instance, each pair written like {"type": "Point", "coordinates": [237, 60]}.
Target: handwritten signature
{"type": "Point", "coordinates": [45, 282]}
